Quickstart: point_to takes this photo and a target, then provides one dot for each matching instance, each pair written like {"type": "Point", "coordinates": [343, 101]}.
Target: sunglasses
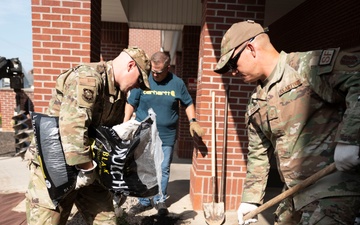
{"type": "Point", "coordinates": [232, 63]}
{"type": "Point", "coordinates": [157, 72]}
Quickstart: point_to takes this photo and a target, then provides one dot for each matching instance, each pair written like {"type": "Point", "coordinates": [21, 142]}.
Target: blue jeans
{"type": "Point", "coordinates": [165, 169]}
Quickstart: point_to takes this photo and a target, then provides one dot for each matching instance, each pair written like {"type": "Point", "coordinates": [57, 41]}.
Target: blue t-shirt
{"type": "Point", "coordinates": [164, 98]}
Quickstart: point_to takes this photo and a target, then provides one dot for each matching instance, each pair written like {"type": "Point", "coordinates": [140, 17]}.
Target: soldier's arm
{"type": "Point", "coordinates": [129, 110]}
{"type": "Point", "coordinates": [258, 167]}
{"type": "Point", "coordinates": [79, 95]}
{"type": "Point", "coordinates": [339, 83]}
{"type": "Point", "coordinates": [349, 129]}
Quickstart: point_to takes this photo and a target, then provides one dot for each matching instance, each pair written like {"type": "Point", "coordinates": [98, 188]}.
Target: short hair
{"type": "Point", "coordinates": [161, 57]}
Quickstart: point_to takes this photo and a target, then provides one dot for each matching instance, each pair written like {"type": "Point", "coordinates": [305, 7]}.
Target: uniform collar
{"type": "Point", "coordinates": [276, 75]}
{"type": "Point", "coordinates": [113, 90]}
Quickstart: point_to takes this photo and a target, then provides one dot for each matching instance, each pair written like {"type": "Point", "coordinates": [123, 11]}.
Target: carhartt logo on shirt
{"type": "Point", "coordinates": [169, 93]}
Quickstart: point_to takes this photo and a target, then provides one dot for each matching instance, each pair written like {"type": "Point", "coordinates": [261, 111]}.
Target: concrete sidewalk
{"type": "Point", "coordinates": [14, 177]}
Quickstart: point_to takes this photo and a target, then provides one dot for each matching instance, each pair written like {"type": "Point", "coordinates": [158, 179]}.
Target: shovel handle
{"type": "Point", "coordinates": [307, 182]}
{"type": "Point", "coordinates": [213, 145]}
{"type": "Point", "coordinates": [213, 130]}
{"type": "Point", "coordinates": [223, 167]}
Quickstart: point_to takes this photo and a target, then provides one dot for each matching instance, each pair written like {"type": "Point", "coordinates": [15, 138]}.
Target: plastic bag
{"type": "Point", "coordinates": [130, 167]}
{"type": "Point", "coordinates": [59, 176]}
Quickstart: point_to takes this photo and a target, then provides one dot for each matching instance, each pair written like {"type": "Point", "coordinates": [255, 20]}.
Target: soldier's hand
{"type": "Point", "coordinates": [346, 157]}
{"type": "Point", "coordinates": [86, 176]}
{"type": "Point", "coordinates": [244, 209]}
{"type": "Point", "coordinates": [196, 128]}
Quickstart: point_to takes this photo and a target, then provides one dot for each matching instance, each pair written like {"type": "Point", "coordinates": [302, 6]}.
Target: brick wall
{"type": "Point", "coordinates": [62, 38]}
{"type": "Point", "coordinates": [7, 106]}
{"type": "Point", "coordinates": [218, 16]}
{"type": "Point", "coordinates": [148, 40]}
{"type": "Point", "coordinates": [114, 38]}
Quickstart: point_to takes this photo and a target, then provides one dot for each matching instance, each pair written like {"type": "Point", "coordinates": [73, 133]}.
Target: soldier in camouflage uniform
{"type": "Point", "coordinates": [87, 95]}
{"type": "Point", "coordinates": [306, 111]}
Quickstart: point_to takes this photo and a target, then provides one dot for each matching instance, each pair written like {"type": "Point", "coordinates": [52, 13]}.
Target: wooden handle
{"type": "Point", "coordinates": [213, 145]}
{"type": "Point", "coordinates": [307, 182]}
{"type": "Point", "coordinates": [222, 186]}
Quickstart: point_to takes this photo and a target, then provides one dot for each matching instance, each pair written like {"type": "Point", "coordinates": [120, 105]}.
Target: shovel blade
{"type": "Point", "coordinates": [214, 213]}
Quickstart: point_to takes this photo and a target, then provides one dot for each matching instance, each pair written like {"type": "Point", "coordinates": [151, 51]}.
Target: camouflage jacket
{"type": "Point", "coordinates": [85, 96]}
{"type": "Point", "coordinates": [308, 104]}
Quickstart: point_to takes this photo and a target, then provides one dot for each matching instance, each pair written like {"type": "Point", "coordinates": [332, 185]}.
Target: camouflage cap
{"type": "Point", "coordinates": [143, 62]}
{"type": "Point", "coordinates": [236, 35]}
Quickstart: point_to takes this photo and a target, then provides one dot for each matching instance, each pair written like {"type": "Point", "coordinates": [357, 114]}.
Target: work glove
{"type": "Point", "coordinates": [195, 127]}
{"type": "Point", "coordinates": [346, 157]}
{"type": "Point", "coordinates": [86, 177]}
{"type": "Point", "coordinates": [244, 209]}
{"type": "Point", "coordinates": [126, 130]}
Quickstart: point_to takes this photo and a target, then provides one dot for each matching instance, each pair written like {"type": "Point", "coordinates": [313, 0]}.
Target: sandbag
{"type": "Point", "coordinates": [59, 176]}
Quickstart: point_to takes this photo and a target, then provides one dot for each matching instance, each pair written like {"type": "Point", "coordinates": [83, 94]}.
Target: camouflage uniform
{"type": "Point", "coordinates": [85, 95]}
{"type": "Point", "coordinates": [310, 102]}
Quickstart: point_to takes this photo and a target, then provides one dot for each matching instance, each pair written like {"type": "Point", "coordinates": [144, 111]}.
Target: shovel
{"type": "Point", "coordinates": [305, 183]}
{"type": "Point", "coordinates": [213, 212]}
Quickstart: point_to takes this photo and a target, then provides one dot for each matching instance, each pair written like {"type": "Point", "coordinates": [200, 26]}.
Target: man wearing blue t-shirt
{"type": "Point", "coordinates": [167, 91]}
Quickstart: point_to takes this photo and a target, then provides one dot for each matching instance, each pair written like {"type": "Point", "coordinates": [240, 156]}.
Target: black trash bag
{"type": "Point", "coordinates": [59, 176]}
{"type": "Point", "coordinates": [128, 167]}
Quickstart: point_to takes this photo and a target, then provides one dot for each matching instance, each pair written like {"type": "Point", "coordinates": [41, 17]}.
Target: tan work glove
{"type": "Point", "coordinates": [244, 209]}
{"type": "Point", "coordinates": [86, 177]}
{"type": "Point", "coordinates": [195, 127]}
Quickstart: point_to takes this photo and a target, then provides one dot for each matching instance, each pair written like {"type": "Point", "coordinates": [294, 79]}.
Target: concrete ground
{"type": "Point", "coordinates": [14, 177]}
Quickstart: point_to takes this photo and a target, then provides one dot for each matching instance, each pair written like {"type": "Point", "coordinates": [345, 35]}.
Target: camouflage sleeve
{"type": "Point", "coordinates": [79, 94]}
{"type": "Point", "coordinates": [349, 128]}
{"type": "Point", "coordinates": [258, 166]}
{"type": "Point", "coordinates": [341, 86]}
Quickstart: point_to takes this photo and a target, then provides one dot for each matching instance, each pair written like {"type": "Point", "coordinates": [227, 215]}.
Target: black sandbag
{"type": "Point", "coordinates": [59, 176]}
{"type": "Point", "coordinates": [126, 167]}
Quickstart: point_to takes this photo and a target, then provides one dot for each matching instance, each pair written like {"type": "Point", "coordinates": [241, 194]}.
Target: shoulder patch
{"type": "Point", "coordinates": [350, 60]}
{"type": "Point", "coordinates": [87, 91]}
{"type": "Point", "coordinates": [326, 57]}
{"type": "Point", "coordinates": [88, 95]}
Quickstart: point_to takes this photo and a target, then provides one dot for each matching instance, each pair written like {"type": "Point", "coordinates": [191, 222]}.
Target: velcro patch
{"type": "Point", "coordinates": [87, 81]}
{"type": "Point", "coordinates": [350, 60]}
{"type": "Point", "coordinates": [326, 57]}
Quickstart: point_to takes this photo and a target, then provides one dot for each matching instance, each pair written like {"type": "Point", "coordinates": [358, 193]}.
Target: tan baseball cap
{"type": "Point", "coordinates": [143, 62]}
{"type": "Point", "coordinates": [236, 35]}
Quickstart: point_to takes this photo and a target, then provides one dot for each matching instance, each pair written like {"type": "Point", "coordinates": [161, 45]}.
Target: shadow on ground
{"type": "Point", "coordinates": [171, 219]}
{"type": "Point", "coordinates": [177, 189]}
{"type": "Point", "coordinates": [184, 218]}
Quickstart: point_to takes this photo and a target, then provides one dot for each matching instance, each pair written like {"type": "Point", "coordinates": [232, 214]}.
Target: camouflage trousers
{"type": "Point", "coordinates": [327, 211]}
{"type": "Point", "coordinates": [94, 202]}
